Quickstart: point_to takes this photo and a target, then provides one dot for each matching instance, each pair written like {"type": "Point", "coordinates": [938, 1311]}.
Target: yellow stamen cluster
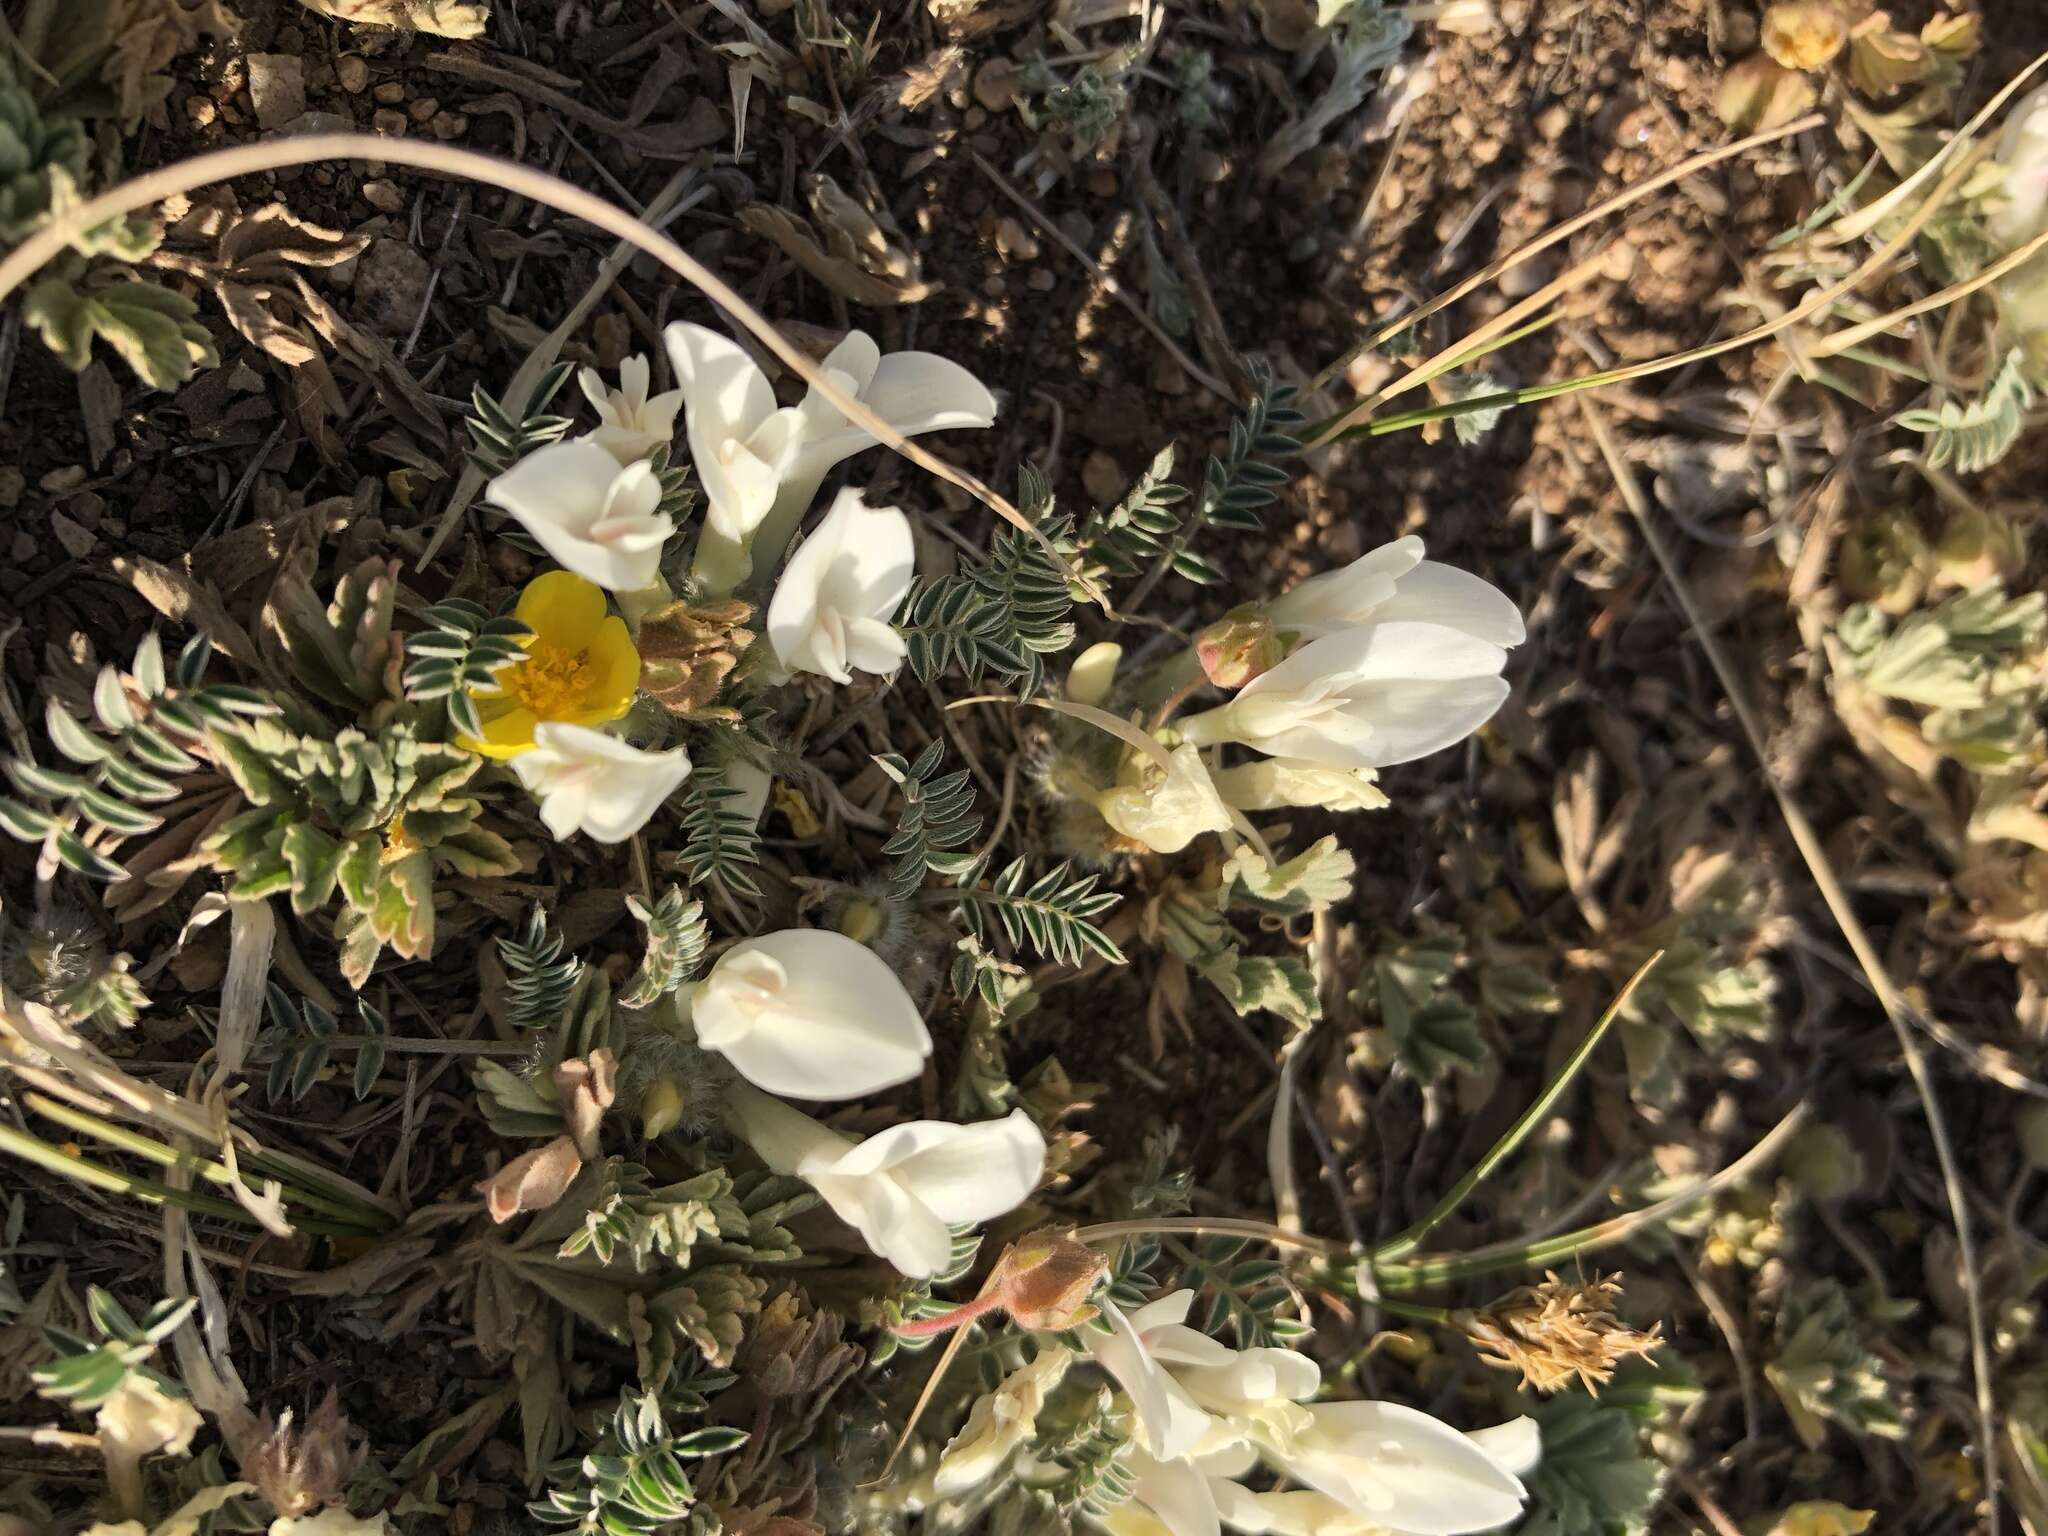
{"type": "Point", "coordinates": [1557, 1332]}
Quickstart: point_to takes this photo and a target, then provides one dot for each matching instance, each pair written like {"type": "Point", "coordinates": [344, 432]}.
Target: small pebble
{"type": "Point", "coordinates": [391, 93]}
{"type": "Point", "coordinates": [424, 109]}
{"type": "Point", "coordinates": [390, 123]}
{"type": "Point", "coordinates": [450, 125]}
{"type": "Point", "coordinates": [995, 85]}
{"type": "Point", "coordinates": [384, 196]}
{"type": "Point", "coordinates": [77, 541]}
{"type": "Point", "coordinates": [353, 73]}
{"type": "Point", "coordinates": [1102, 478]}
{"type": "Point", "coordinates": [277, 88]}
{"type": "Point", "coordinates": [1041, 280]}
{"type": "Point", "coordinates": [201, 110]}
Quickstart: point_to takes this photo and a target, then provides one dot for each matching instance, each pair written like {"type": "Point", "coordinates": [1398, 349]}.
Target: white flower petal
{"type": "Point", "coordinates": [592, 516]}
{"type": "Point", "coordinates": [1397, 1467]}
{"type": "Point", "coordinates": [915, 392]}
{"type": "Point", "coordinates": [1175, 1492]}
{"type": "Point", "coordinates": [1348, 596]}
{"type": "Point", "coordinates": [726, 400]}
{"type": "Point", "coordinates": [1170, 1423]}
{"type": "Point", "coordinates": [890, 1220]}
{"type": "Point", "coordinates": [1516, 1446]}
{"type": "Point", "coordinates": [839, 589]}
{"type": "Point", "coordinates": [834, 1024]}
{"type": "Point", "coordinates": [960, 1173]}
{"type": "Point", "coordinates": [587, 781]}
{"type": "Point", "coordinates": [1433, 593]}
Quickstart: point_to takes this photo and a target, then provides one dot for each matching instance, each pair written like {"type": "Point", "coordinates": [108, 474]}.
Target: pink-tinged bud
{"type": "Point", "coordinates": [1042, 1281]}
{"type": "Point", "coordinates": [532, 1181]}
{"type": "Point", "coordinates": [1237, 648]}
{"type": "Point", "coordinates": [1045, 1279]}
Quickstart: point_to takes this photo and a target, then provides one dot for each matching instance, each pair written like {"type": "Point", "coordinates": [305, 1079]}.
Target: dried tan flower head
{"type": "Point", "coordinates": [1557, 1332]}
{"type": "Point", "coordinates": [1804, 34]}
{"type": "Point", "coordinates": [305, 1468]}
{"type": "Point", "coordinates": [686, 653]}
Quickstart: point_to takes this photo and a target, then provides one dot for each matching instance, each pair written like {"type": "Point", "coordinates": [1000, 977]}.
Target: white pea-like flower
{"type": "Point", "coordinates": [1364, 698]}
{"type": "Point", "coordinates": [630, 424]}
{"type": "Point", "coordinates": [1166, 808]}
{"type": "Point", "coordinates": [902, 1189]}
{"type": "Point", "coordinates": [999, 1423]}
{"type": "Point", "coordinates": [833, 602]}
{"type": "Point", "coordinates": [594, 517]}
{"type": "Point", "coordinates": [588, 781]}
{"type": "Point", "coordinates": [1138, 1350]}
{"type": "Point", "coordinates": [1394, 583]}
{"type": "Point", "coordinates": [1397, 1468]}
{"type": "Point", "coordinates": [811, 1014]}
{"type": "Point", "coordinates": [754, 457]}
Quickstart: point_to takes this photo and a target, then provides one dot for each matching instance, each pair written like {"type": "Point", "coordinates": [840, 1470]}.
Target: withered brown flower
{"type": "Point", "coordinates": [687, 652]}
{"type": "Point", "coordinates": [304, 1468]}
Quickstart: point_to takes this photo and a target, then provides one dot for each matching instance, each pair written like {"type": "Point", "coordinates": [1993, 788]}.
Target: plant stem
{"type": "Point", "coordinates": [170, 1157]}
{"type": "Point", "coordinates": [1418, 1273]}
{"type": "Point", "coordinates": [1208, 1226]}
{"type": "Point", "coordinates": [148, 1191]}
{"type": "Point", "coordinates": [1517, 1133]}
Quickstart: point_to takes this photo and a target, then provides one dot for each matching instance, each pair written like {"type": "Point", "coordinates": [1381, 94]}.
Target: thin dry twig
{"type": "Point", "coordinates": [1110, 285]}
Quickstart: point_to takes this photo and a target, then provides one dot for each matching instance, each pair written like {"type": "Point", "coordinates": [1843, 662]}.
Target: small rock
{"type": "Point", "coordinates": [24, 549]}
{"type": "Point", "coordinates": [1015, 241]}
{"type": "Point", "coordinates": [391, 285]}
{"type": "Point", "coordinates": [1211, 167]}
{"type": "Point", "coordinates": [277, 88]}
{"type": "Point", "coordinates": [1103, 183]}
{"type": "Point", "coordinates": [59, 482]}
{"type": "Point", "coordinates": [353, 73]}
{"type": "Point", "coordinates": [77, 541]}
{"type": "Point", "coordinates": [424, 108]}
{"type": "Point", "coordinates": [12, 483]}
{"type": "Point", "coordinates": [1552, 121]}
{"type": "Point", "coordinates": [995, 85]}
{"type": "Point", "coordinates": [87, 508]}
{"type": "Point", "coordinates": [1041, 280]}
{"type": "Point", "coordinates": [384, 196]}
{"type": "Point", "coordinates": [450, 125]}
{"type": "Point", "coordinates": [391, 93]}
{"type": "Point", "coordinates": [201, 110]}
{"type": "Point", "coordinates": [1102, 478]}
{"type": "Point", "coordinates": [390, 122]}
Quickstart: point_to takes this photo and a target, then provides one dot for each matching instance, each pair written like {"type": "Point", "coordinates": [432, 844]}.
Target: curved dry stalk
{"type": "Point", "coordinates": [1856, 335]}
{"type": "Point", "coordinates": [488, 170]}
{"type": "Point", "coordinates": [1896, 1008]}
{"type": "Point", "coordinates": [1543, 242]}
{"type": "Point", "coordinates": [1871, 267]}
{"type": "Point", "coordinates": [1853, 226]}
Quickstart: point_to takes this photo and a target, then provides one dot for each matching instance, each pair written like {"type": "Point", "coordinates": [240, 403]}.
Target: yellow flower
{"type": "Point", "coordinates": [580, 667]}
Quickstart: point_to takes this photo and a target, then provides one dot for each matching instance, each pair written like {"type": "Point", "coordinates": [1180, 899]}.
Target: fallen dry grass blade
{"type": "Point", "coordinates": [1543, 242]}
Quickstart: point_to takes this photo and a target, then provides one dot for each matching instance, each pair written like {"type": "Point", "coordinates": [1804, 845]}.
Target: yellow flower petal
{"type": "Point", "coordinates": [614, 670]}
{"type": "Point", "coordinates": [562, 609]}
{"type": "Point", "coordinates": [505, 735]}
